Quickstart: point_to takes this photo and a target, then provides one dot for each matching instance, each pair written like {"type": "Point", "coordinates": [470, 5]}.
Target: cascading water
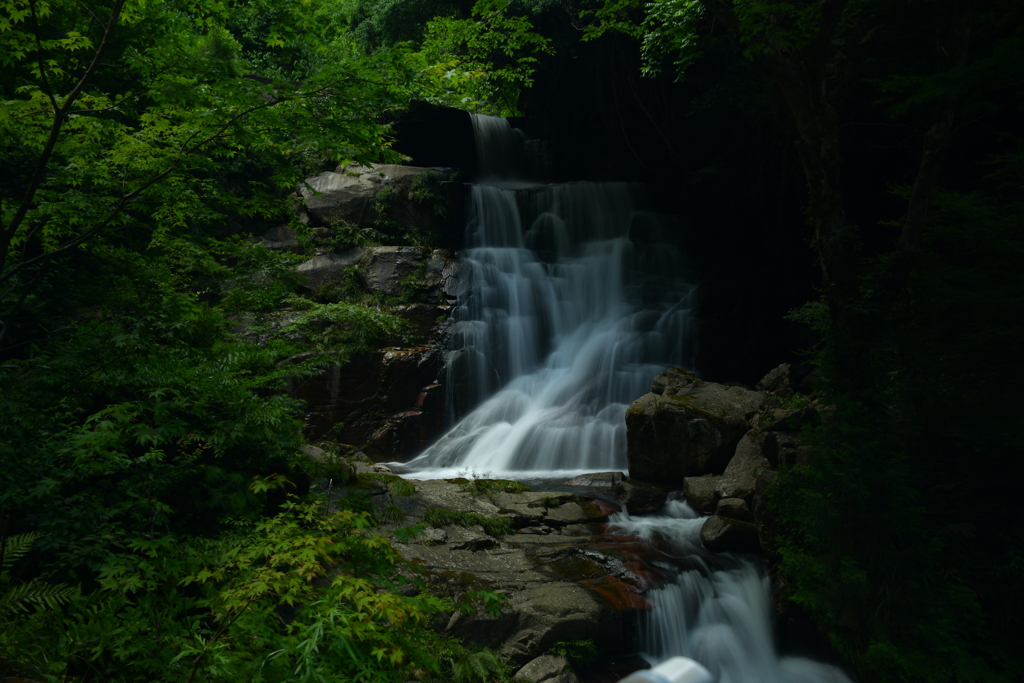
{"type": "Point", "coordinates": [717, 611]}
{"type": "Point", "coordinates": [574, 303]}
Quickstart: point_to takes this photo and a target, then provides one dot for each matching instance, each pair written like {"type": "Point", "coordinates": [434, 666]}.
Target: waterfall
{"type": "Point", "coordinates": [717, 611]}
{"type": "Point", "coordinates": [575, 301]}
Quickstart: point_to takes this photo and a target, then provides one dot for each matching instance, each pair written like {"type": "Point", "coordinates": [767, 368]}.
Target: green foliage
{"type": "Point", "coordinates": [300, 596]}
{"type": "Point", "coordinates": [474, 665]}
{"type": "Point", "coordinates": [480, 63]}
{"type": "Point", "coordinates": [882, 539]}
{"type": "Point", "coordinates": [35, 594]}
{"type": "Point", "coordinates": [339, 329]}
{"type": "Point", "coordinates": [332, 466]}
{"type": "Point", "coordinates": [148, 123]}
{"type": "Point", "coordinates": [493, 526]}
{"type": "Point", "coordinates": [582, 651]}
{"type": "Point", "coordinates": [667, 31]}
{"type": "Point", "coordinates": [397, 486]}
{"type": "Point", "coordinates": [490, 485]}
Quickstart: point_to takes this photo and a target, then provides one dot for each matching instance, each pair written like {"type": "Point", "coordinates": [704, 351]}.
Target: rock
{"type": "Point", "coordinates": [563, 582]}
{"type": "Point", "coordinates": [348, 193]}
{"type": "Point", "coordinates": [551, 613]}
{"type": "Point", "coordinates": [702, 492]}
{"type": "Point", "coordinates": [785, 420]}
{"type": "Point", "coordinates": [569, 513]}
{"type": "Point", "coordinates": [673, 379]}
{"type": "Point", "coordinates": [597, 479]}
{"type": "Point", "coordinates": [522, 507]}
{"type": "Point", "coordinates": [738, 479]}
{"type": "Point", "coordinates": [468, 538]}
{"type": "Point", "coordinates": [391, 270]}
{"type": "Point", "coordinates": [779, 382]}
{"type": "Point", "coordinates": [371, 468]}
{"type": "Point", "coordinates": [546, 669]}
{"type": "Point", "coordinates": [313, 452]}
{"type": "Point", "coordinates": [641, 498]}
{"type": "Point", "coordinates": [373, 399]}
{"type": "Point", "coordinates": [734, 508]}
{"type": "Point", "coordinates": [326, 268]}
{"type": "Point", "coordinates": [687, 430]}
{"type": "Point", "coordinates": [283, 238]}
{"type": "Point", "coordinates": [423, 319]}
{"type": "Point", "coordinates": [727, 534]}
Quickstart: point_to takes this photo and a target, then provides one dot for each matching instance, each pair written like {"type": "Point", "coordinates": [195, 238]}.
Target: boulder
{"type": "Point", "coordinates": [348, 193]}
{"type": "Point", "coordinates": [738, 479]}
{"type": "Point", "coordinates": [701, 492]}
{"type": "Point", "coordinates": [690, 428]}
{"type": "Point", "coordinates": [392, 270]}
{"type": "Point", "coordinates": [727, 534]}
{"type": "Point", "coordinates": [283, 238]}
{"type": "Point", "coordinates": [331, 267]}
{"type": "Point", "coordinates": [414, 273]}
{"type": "Point", "coordinates": [554, 612]}
{"type": "Point", "coordinates": [783, 420]}
{"type": "Point", "coordinates": [641, 498]}
{"type": "Point", "coordinates": [734, 508]}
{"type": "Point", "coordinates": [673, 379]}
{"type": "Point", "coordinates": [546, 669]}
{"type": "Point", "coordinates": [780, 382]}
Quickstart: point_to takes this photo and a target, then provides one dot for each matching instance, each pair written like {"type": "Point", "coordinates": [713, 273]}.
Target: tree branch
{"type": "Point", "coordinates": [59, 116]}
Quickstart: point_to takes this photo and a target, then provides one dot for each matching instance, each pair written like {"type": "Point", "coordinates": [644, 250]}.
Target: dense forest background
{"type": "Point", "coordinates": [848, 177]}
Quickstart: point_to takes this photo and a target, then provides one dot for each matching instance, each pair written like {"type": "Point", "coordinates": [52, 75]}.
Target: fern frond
{"type": "Point", "coordinates": [17, 546]}
{"type": "Point", "coordinates": [36, 593]}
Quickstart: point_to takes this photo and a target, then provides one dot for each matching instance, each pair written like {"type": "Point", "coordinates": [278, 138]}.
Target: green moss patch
{"type": "Point", "coordinates": [493, 526]}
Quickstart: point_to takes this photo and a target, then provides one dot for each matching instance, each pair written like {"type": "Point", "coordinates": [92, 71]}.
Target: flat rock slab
{"type": "Point", "coordinates": [556, 569]}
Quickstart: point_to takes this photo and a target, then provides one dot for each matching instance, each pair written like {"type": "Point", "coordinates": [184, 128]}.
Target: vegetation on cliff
{"type": "Point", "coordinates": [149, 460]}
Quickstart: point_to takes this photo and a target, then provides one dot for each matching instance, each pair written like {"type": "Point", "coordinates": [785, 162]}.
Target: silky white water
{"type": "Point", "coordinates": [574, 302]}
{"type": "Point", "coordinates": [719, 617]}
{"type": "Point", "coordinates": [565, 322]}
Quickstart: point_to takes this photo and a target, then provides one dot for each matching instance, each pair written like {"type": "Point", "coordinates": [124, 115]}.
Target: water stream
{"type": "Point", "coordinates": [575, 301]}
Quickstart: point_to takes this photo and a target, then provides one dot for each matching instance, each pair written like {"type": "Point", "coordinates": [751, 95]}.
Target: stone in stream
{"type": "Point", "coordinates": [734, 508]}
{"type": "Point", "coordinates": [702, 492]}
{"type": "Point", "coordinates": [738, 479]}
{"type": "Point", "coordinates": [686, 427]}
{"type": "Point", "coordinates": [725, 533]}
{"type": "Point", "coordinates": [641, 498]}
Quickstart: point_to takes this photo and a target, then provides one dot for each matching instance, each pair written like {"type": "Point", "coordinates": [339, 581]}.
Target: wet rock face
{"type": "Point", "coordinates": [686, 427]}
{"type": "Point", "coordinates": [388, 403]}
